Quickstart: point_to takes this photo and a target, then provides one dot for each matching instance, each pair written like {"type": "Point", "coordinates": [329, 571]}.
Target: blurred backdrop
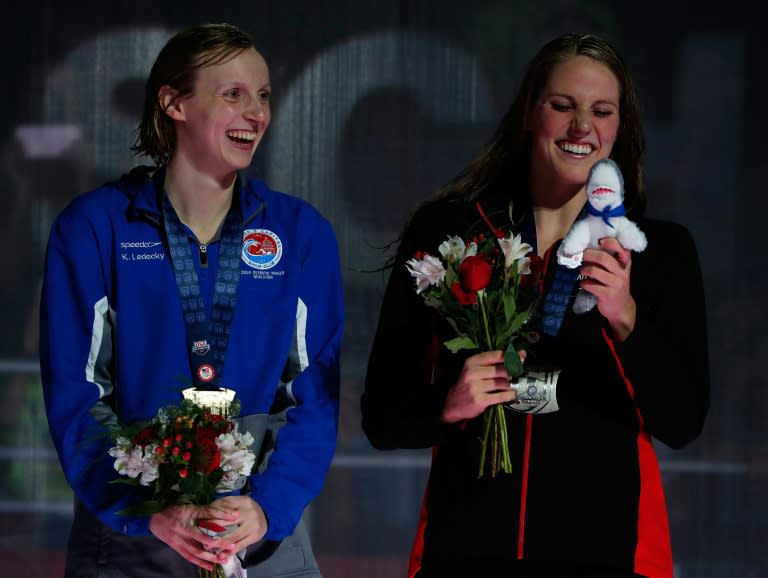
{"type": "Point", "coordinates": [375, 104]}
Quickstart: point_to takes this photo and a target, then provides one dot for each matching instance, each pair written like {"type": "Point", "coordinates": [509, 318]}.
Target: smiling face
{"type": "Point", "coordinates": [573, 123]}
{"type": "Point", "coordinates": [220, 124]}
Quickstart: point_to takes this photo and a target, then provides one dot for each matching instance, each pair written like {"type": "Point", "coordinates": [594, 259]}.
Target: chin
{"type": "Point", "coordinates": [242, 162]}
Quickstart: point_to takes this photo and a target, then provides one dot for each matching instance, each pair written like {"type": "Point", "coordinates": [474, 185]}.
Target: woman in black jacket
{"type": "Point", "coordinates": [584, 497]}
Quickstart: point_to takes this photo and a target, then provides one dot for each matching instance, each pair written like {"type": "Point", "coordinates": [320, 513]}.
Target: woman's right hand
{"type": "Point", "coordinates": [483, 382]}
{"type": "Point", "coordinates": [177, 527]}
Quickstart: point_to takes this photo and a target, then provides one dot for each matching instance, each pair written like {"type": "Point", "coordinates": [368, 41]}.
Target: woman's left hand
{"type": "Point", "coordinates": [606, 275]}
{"type": "Point", "coordinates": [251, 522]}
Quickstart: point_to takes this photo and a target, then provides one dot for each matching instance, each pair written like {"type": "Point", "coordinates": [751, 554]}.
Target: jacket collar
{"type": "Point", "coordinates": [144, 185]}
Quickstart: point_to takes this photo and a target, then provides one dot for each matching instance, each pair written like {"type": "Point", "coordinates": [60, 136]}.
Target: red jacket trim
{"type": "Point", "coordinates": [653, 554]}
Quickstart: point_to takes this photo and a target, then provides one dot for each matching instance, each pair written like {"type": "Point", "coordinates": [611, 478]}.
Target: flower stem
{"type": "Point", "coordinates": [506, 462]}
{"type": "Point", "coordinates": [484, 315]}
{"type": "Point", "coordinates": [217, 572]}
{"type": "Point", "coordinates": [487, 418]}
{"type": "Point", "coordinates": [495, 433]}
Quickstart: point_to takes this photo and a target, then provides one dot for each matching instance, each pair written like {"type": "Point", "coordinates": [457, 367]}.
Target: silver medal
{"type": "Point", "coordinates": [536, 391]}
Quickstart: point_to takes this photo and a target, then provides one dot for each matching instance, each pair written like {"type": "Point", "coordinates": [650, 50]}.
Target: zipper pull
{"type": "Point", "coordinates": [203, 255]}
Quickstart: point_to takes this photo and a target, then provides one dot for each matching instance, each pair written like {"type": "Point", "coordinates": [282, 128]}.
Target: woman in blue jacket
{"type": "Point", "coordinates": [187, 272]}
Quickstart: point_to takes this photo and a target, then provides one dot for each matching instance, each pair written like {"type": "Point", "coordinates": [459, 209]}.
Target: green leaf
{"type": "Point", "coordinates": [459, 343]}
{"type": "Point", "coordinates": [451, 276]}
{"type": "Point", "coordinates": [514, 326]}
{"type": "Point", "coordinates": [510, 305]}
{"type": "Point", "coordinates": [512, 362]}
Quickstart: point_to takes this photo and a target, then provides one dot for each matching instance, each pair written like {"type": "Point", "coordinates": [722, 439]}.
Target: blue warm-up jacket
{"type": "Point", "coordinates": [113, 346]}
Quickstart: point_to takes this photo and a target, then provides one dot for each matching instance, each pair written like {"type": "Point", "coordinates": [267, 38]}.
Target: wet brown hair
{"type": "Point", "coordinates": [182, 56]}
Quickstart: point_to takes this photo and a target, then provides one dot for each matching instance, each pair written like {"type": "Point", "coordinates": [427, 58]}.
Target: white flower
{"type": "Point", "coordinates": [470, 251]}
{"type": "Point", "coordinates": [150, 465]}
{"type": "Point", "coordinates": [121, 452]}
{"type": "Point", "coordinates": [524, 266]}
{"type": "Point", "coordinates": [230, 482]}
{"type": "Point", "coordinates": [237, 460]}
{"type": "Point", "coordinates": [240, 461]}
{"type": "Point", "coordinates": [427, 271]}
{"type": "Point", "coordinates": [135, 461]}
{"type": "Point", "coordinates": [514, 249]}
{"type": "Point", "coordinates": [452, 249]}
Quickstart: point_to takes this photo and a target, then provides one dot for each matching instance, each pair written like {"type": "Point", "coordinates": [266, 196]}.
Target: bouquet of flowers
{"type": "Point", "coordinates": [484, 288]}
{"type": "Point", "coordinates": [185, 454]}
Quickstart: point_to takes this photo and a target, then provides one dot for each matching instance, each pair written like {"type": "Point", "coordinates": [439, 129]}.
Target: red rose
{"type": "Point", "coordinates": [205, 436]}
{"type": "Point", "coordinates": [463, 297]}
{"type": "Point", "coordinates": [475, 273]}
{"type": "Point", "coordinates": [209, 457]}
{"type": "Point", "coordinates": [144, 437]}
{"type": "Point", "coordinates": [213, 418]}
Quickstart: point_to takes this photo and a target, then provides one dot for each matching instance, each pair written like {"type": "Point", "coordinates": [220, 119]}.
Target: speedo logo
{"type": "Point", "coordinates": [139, 244]}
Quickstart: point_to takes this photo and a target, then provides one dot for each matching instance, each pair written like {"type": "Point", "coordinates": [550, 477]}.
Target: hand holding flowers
{"type": "Point", "coordinates": [185, 455]}
{"type": "Point", "coordinates": [485, 290]}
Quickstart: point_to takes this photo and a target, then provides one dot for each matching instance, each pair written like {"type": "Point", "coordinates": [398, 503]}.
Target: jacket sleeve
{"type": "Point", "coordinates": [665, 358]}
{"type": "Point", "coordinates": [75, 361]}
{"type": "Point", "coordinates": [403, 400]}
{"type": "Point", "coordinates": [305, 444]}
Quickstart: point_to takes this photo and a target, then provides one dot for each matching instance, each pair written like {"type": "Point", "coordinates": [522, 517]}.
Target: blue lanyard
{"type": "Point", "coordinates": [206, 339]}
{"type": "Point", "coordinates": [554, 303]}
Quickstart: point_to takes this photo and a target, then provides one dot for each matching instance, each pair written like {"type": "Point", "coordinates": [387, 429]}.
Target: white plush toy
{"type": "Point", "coordinates": [605, 218]}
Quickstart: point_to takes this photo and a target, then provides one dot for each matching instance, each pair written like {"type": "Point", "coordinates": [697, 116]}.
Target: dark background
{"type": "Point", "coordinates": [375, 105]}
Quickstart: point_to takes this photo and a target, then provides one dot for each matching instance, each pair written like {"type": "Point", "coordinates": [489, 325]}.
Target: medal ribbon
{"type": "Point", "coordinates": [206, 339]}
{"type": "Point", "coordinates": [555, 301]}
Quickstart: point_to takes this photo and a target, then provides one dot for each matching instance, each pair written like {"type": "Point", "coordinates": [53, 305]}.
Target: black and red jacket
{"type": "Point", "coordinates": [586, 487]}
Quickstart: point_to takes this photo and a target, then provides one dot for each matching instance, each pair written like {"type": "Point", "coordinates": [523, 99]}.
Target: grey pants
{"type": "Point", "coordinates": [96, 551]}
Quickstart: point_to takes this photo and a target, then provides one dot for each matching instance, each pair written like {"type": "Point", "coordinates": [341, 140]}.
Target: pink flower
{"type": "Point", "coordinates": [427, 271]}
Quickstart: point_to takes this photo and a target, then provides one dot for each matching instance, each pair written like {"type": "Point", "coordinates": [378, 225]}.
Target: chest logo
{"type": "Point", "coordinates": [262, 249]}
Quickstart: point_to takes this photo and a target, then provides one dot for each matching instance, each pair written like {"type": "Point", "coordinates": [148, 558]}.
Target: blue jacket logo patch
{"type": "Point", "coordinates": [262, 248]}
